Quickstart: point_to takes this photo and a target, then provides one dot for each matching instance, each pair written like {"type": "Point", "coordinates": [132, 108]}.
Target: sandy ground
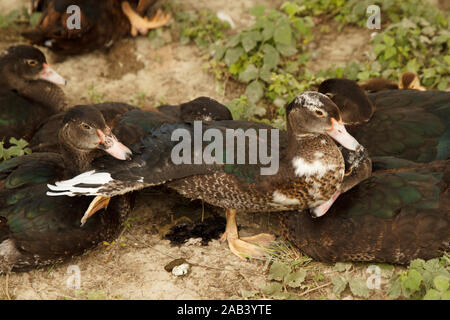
{"type": "Point", "coordinates": [133, 268]}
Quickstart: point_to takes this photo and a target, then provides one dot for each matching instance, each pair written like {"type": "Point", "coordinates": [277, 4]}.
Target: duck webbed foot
{"type": "Point", "coordinates": [143, 25]}
{"type": "Point", "coordinates": [324, 207]}
{"type": "Point", "coordinates": [245, 247]}
{"type": "Point", "coordinates": [99, 202]}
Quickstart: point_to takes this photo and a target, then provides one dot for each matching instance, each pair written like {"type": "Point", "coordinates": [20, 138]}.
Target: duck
{"type": "Point", "coordinates": [201, 108]}
{"type": "Point", "coordinates": [408, 80]}
{"type": "Point", "coordinates": [400, 213]}
{"type": "Point", "coordinates": [36, 230]}
{"type": "Point", "coordinates": [29, 92]}
{"type": "Point", "coordinates": [100, 24]}
{"type": "Point", "coordinates": [310, 171]}
{"type": "Point", "coordinates": [352, 101]}
{"type": "Point", "coordinates": [406, 124]}
{"type": "Point", "coordinates": [46, 138]}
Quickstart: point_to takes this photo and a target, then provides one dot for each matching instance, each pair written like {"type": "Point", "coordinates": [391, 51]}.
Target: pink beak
{"type": "Point", "coordinates": [111, 145]}
{"type": "Point", "coordinates": [50, 75]}
{"type": "Point", "coordinates": [338, 133]}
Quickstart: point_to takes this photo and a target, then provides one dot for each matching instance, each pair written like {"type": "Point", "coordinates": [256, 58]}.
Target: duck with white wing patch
{"type": "Point", "coordinates": [311, 170]}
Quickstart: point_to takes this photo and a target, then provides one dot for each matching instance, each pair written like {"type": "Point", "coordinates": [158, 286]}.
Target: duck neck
{"type": "Point", "coordinates": [297, 140]}
{"type": "Point", "coordinates": [75, 161]}
{"type": "Point", "coordinates": [45, 93]}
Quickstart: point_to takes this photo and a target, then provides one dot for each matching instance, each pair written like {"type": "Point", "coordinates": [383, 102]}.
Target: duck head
{"type": "Point", "coordinates": [410, 80]}
{"type": "Point", "coordinates": [353, 103]}
{"type": "Point", "coordinates": [25, 63]}
{"type": "Point", "coordinates": [314, 112]}
{"type": "Point", "coordinates": [84, 130]}
{"type": "Point", "coordinates": [205, 109]}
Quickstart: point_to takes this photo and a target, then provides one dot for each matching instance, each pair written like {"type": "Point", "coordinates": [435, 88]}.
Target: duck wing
{"type": "Point", "coordinates": [408, 124]}
{"type": "Point", "coordinates": [152, 162]}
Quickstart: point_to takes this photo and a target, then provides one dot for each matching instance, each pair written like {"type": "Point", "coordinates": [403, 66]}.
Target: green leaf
{"type": "Point", "coordinates": [432, 295]}
{"type": "Point", "coordinates": [278, 271]}
{"type": "Point", "coordinates": [271, 56]}
{"type": "Point", "coordinates": [258, 10]}
{"type": "Point", "coordinates": [429, 73]}
{"type": "Point", "coordinates": [441, 283]}
{"type": "Point", "coordinates": [268, 30]}
{"type": "Point", "coordinates": [254, 91]}
{"type": "Point", "coordinates": [248, 294]}
{"type": "Point", "coordinates": [250, 73]}
{"type": "Point", "coordinates": [359, 288]}
{"type": "Point", "coordinates": [445, 295]}
{"type": "Point", "coordinates": [417, 264]}
{"type": "Point", "coordinates": [34, 18]}
{"type": "Point", "coordinates": [301, 27]}
{"type": "Point", "coordinates": [283, 34]}
{"type": "Point", "coordinates": [219, 52]}
{"type": "Point", "coordinates": [234, 41]}
{"type": "Point", "coordinates": [286, 50]}
{"type": "Point", "coordinates": [390, 52]}
{"type": "Point", "coordinates": [266, 73]}
{"type": "Point", "coordinates": [413, 280]}
{"type": "Point", "coordinates": [379, 48]}
{"type": "Point", "coordinates": [272, 288]}
{"type": "Point", "coordinates": [364, 75]}
{"type": "Point", "coordinates": [20, 143]}
{"type": "Point", "coordinates": [232, 55]}
{"type": "Point", "coordinates": [413, 65]}
{"type": "Point", "coordinates": [442, 84]}
{"type": "Point", "coordinates": [387, 270]}
{"type": "Point", "coordinates": [389, 41]}
{"type": "Point", "coordinates": [295, 279]}
{"type": "Point", "coordinates": [432, 265]}
{"type": "Point", "coordinates": [342, 266]}
{"type": "Point", "coordinates": [339, 285]}
{"type": "Point", "coordinates": [395, 289]}
{"type": "Point", "coordinates": [250, 39]}
{"type": "Point", "coordinates": [291, 8]}
{"type": "Point", "coordinates": [447, 59]}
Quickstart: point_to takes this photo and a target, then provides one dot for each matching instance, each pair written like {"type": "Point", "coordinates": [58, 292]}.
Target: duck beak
{"type": "Point", "coordinates": [51, 75]}
{"type": "Point", "coordinates": [338, 133]}
{"type": "Point", "coordinates": [110, 144]}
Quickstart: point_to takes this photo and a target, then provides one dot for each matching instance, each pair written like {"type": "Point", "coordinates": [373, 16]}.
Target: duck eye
{"type": "Point", "coordinates": [32, 62]}
{"type": "Point", "coordinates": [86, 126]}
{"type": "Point", "coordinates": [318, 113]}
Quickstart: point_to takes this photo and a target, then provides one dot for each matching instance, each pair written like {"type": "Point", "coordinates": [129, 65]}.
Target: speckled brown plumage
{"type": "Point", "coordinates": [227, 190]}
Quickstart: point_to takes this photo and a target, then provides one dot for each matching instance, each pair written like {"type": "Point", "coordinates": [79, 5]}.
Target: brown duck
{"type": "Point", "coordinates": [102, 23]}
{"type": "Point", "coordinates": [37, 230]}
{"type": "Point", "coordinates": [29, 92]}
{"type": "Point", "coordinates": [402, 212]}
{"type": "Point", "coordinates": [311, 169]}
{"type": "Point", "coordinates": [408, 80]}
